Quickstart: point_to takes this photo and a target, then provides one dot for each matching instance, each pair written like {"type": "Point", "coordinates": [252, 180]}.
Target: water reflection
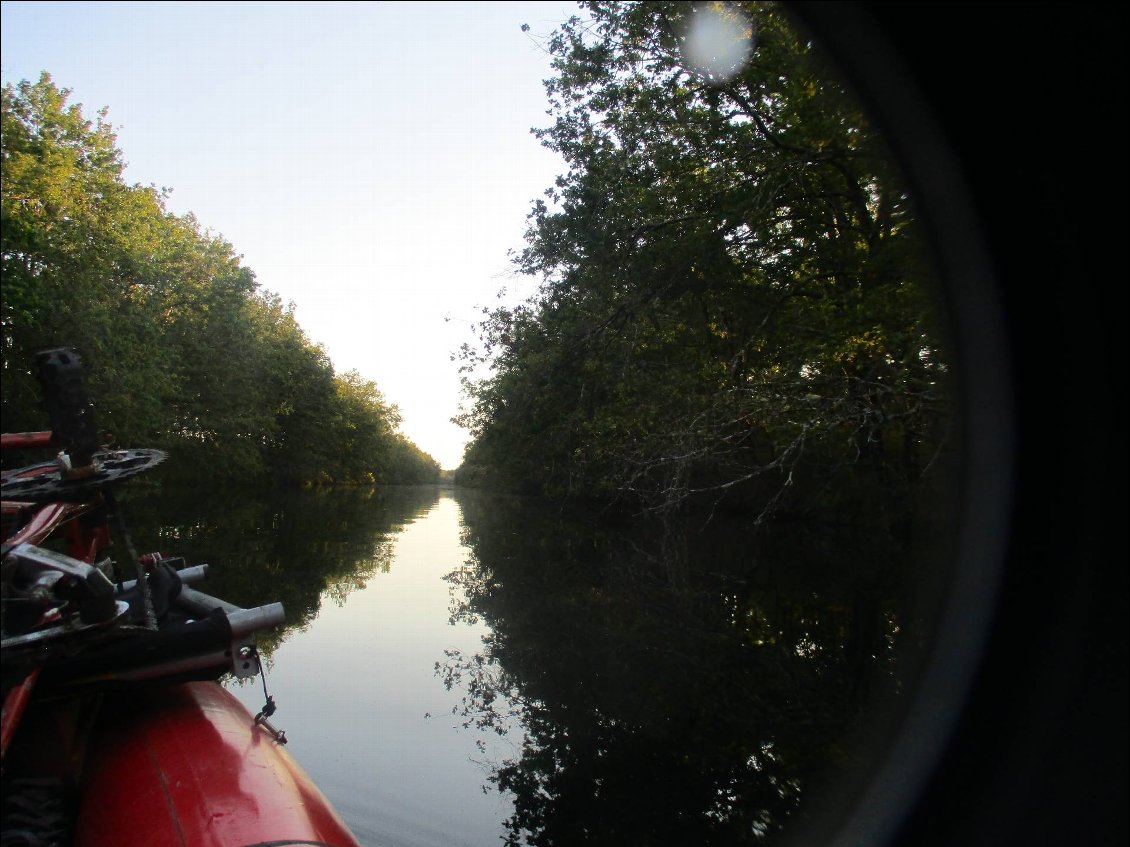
{"type": "Point", "coordinates": [265, 545]}
{"type": "Point", "coordinates": [675, 685]}
{"type": "Point", "coordinates": [460, 668]}
{"type": "Point", "coordinates": [361, 575]}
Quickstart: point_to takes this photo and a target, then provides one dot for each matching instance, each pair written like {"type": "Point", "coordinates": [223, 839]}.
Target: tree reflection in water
{"type": "Point", "coordinates": [266, 545]}
{"type": "Point", "coordinates": [673, 686]}
{"type": "Point", "coordinates": [666, 684]}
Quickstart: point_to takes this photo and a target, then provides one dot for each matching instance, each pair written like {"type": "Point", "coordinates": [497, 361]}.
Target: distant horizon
{"type": "Point", "coordinates": [371, 163]}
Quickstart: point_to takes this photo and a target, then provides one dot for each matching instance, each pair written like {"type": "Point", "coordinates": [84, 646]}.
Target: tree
{"type": "Point", "coordinates": [181, 347]}
{"type": "Point", "coordinates": [732, 295]}
{"type": "Point", "coordinates": [74, 241]}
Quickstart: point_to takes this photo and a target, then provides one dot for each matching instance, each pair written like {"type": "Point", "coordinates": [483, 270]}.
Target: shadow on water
{"type": "Point", "coordinates": [262, 545]}
{"type": "Point", "coordinates": [676, 685]}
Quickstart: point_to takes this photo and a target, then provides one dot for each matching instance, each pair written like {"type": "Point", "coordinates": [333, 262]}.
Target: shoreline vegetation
{"type": "Point", "coordinates": [182, 348]}
{"type": "Point", "coordinates": [736, 309]}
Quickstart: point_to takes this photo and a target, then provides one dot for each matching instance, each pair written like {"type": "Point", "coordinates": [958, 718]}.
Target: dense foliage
{"type": "Point", "coordinates": [732, 298]}
{"type": "Point", "coordinates": [181, 347]}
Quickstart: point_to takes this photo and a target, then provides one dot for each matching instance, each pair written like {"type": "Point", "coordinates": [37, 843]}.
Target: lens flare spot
{"type": "Point", "coordinates": [718, 41]}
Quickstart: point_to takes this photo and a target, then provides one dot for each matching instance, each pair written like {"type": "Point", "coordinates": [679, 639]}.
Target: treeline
{"type": "Point", "coordinates": [733, 302]}
{"type": "Point", "coordinates": [182, 349]}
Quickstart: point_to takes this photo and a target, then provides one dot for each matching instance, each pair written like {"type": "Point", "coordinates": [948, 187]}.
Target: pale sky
{"type": "Point", "coordinates": [371, 162]}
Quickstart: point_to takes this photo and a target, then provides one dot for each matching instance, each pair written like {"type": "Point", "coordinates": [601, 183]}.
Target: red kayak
{"type": "Point", "coordinates": [115, 729]}
{"type": "Point", "coordinates": [245, 789]}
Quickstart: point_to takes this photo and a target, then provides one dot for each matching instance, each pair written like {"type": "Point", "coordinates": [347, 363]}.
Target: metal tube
{"type": "Point", "coordinates": [246, 621]}
{"type": "Point", "coordinates": [202, 604]}
{"type": "Point", "coordinates": [193, 574]}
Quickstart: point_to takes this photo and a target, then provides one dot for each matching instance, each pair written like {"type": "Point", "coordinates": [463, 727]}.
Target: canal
{"type": "Point", "coordinates": [462, 668]}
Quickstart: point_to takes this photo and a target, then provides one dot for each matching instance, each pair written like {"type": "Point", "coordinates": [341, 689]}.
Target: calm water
{"type": "Point", "coordinates": [355, 681]}
{"type": "Point", "coordinates": [459, 668]}
{"type": "Point", "coordinates": [366, 714]}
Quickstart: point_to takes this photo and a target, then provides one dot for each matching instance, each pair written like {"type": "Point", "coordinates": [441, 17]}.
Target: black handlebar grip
{"type": "Point", "coordinates": [73, 425]}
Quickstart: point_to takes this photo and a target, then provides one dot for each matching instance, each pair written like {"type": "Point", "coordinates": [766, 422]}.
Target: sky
{"type": "Point", "coordinates": [371, 162]}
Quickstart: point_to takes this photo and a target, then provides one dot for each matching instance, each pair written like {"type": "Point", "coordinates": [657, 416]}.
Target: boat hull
{"type": "Point", "coordinates": [186, 766]}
